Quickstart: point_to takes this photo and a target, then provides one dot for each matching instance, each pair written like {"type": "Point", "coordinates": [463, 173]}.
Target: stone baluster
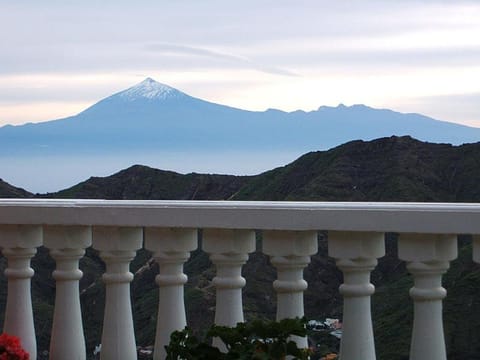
{"type": "Point", "coordinates": [117, 246]}
{"type": "Point", "coordinates": [67, 246]}
{"type": "Point", "coordinates": [356, 256]}
{"type": "Point", "coordinates": [171, 249]}
{"type": "Point", "coordinates": [19, 243]}
{"type": "Point", "coordinates": [428, 256]}
{"type": "Point", "coordinates": [476, 248]}
{"type": "Point", "coordinates": [290, 253]}
{"type": "Point", "coordinates": [228, 249]}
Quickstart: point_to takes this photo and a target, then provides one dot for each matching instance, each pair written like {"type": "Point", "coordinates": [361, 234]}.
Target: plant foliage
{"type": "Point", "coordinates": [259, 340]}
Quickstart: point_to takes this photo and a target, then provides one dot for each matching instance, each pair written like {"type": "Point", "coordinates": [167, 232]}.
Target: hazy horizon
{"type": "Point", "coordinates": [42, 174]}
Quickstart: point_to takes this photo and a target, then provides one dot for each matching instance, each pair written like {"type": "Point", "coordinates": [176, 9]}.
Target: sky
{"type": "Point", "coordinates": [57, 57]}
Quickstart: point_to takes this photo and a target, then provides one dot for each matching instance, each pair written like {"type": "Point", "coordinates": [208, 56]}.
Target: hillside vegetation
{"type": "Point", "coordinates": [9, 191]}
{"type": "Point", "coordinates": [387, 169]}
{"type": "Point", "coordinates": [144, 183]}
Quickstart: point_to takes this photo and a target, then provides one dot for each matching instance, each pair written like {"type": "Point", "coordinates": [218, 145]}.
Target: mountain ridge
{"type": "Point", "coordinates": [143, 182]}
{"type": "Point", "coordinates": [355, 171]}
{"type": "Point", "coordinates": [385, 169]}
{"type": "Point", "coordinates": [9, 191]}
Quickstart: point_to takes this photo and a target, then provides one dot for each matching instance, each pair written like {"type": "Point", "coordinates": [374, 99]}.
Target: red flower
{"type": "Point", "coordinates": [11, 349]}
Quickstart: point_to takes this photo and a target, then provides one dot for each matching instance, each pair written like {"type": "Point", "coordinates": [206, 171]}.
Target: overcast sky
{"type": "Point", "coordinates": [59, 57]}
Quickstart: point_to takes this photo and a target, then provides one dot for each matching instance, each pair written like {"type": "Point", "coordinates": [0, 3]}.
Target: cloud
{"type": "Point", "coordinates": [366, 60]}
{"type": "Point", "coordinates": [458, 107]}
{"type": "Point", "coordinates": [172, 49]}
{"type": "Point", "coordinates": [270, 36]}
{"type": "Point", "coordinates": [196, 51]}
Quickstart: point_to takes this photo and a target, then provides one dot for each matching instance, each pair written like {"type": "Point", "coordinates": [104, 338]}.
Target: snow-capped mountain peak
{"type": "Point", "coordinates": [150, 89]}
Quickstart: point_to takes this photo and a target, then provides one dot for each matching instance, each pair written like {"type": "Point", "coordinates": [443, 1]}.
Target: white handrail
{"type": "Point", "coordinates": [435, 218]}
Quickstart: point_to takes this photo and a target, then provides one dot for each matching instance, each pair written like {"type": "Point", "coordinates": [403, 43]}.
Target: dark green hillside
{"type": "Point", "coordinates": [387, 169]}
{"type": "Point", "coordinates": [141, 182]}
{"type": "Point", "coordinates": [9, 191]}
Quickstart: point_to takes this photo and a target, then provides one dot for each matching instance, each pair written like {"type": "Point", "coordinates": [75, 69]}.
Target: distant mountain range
{"type": "Point", "coordinates": [152, 116]}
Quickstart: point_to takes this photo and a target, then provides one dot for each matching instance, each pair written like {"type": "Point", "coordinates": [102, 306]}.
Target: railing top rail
{"type": "Point", "coordinates": [343, 216]}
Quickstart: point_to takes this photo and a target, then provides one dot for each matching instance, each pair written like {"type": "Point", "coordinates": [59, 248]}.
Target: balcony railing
{"type": "Point", "coordinates": [117, 229]}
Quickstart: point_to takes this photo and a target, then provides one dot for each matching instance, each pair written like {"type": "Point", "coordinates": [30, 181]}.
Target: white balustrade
{"type": "Point", "coordinates": [428, 257]}
{"type": "Point", "coordinates": [117, 246]}
{"type": "Point", "coordinates": [289, 230]}
{"type": "Point", "coordinates": [67, 246]}
{"type": "Point", "coordinates": [19, 244]}
{"type": "Point", "coordinates": [171, 249]}
{"type": "Point", "coordinates": [356, 255]}
{"type": "Point", "coordinates": [290, 253]}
